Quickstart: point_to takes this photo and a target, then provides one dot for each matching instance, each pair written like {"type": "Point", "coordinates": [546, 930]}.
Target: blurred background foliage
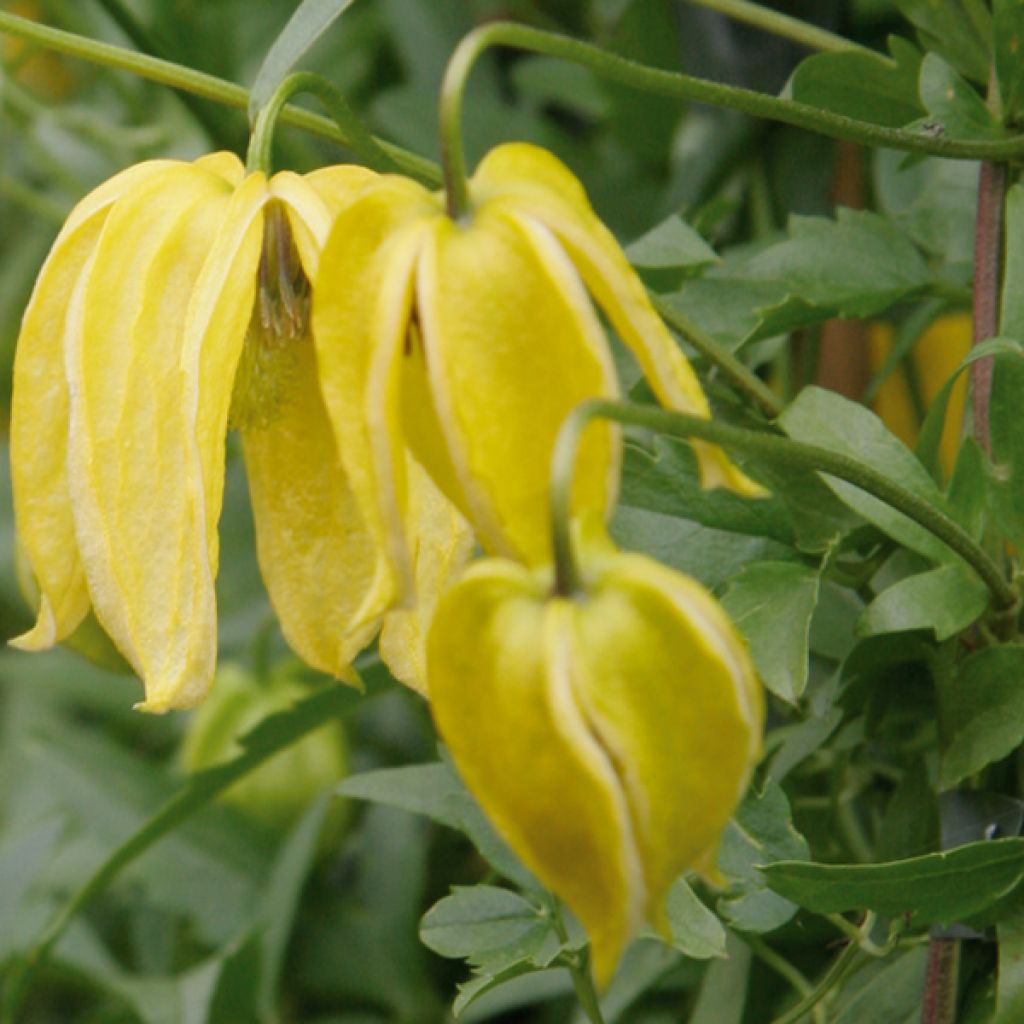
{"type": "Point", "coordinates": [243, 916]}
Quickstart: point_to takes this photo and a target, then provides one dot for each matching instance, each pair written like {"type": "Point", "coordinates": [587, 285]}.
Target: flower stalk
{"type": "Point", "coordinates": [779, 450]}
{"type": "Point", "coordinates": [358, 138]}
{"type": "Point", "coordinates": [677, 86]}
{"type": "Point", "coordinates": [210, 87]}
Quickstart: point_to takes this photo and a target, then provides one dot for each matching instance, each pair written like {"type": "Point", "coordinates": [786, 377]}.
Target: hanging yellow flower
{"type": "Point", "coordinates": [176, 296]}
{"type": "Point", "coordinates": [608, 736]}
{"type": "Point", "coordinates": [470, 341]}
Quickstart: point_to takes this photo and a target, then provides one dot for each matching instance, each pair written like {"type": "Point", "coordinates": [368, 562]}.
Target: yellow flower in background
{"type": "Point", "coordinates": [468, 342]}
{"type": "Point", "coordinates": [935, 355]}
{"type": "Point", "coordinates": [609, 736]}
{"type": "Point", "coordinates": [176, 295]}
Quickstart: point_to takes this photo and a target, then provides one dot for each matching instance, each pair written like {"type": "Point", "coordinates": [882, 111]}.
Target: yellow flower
{"type": "Point", "coordinates": [468, 342]}
{"type": "Point", "coordinates": [176, 295]}
{"type": "Point", "coordinates": [608, 736]}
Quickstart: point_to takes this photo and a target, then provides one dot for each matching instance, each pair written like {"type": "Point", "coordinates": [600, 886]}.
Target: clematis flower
{"type": "Point", "coordinates": [469, 342]}
{"type": "Point", "coordinates": [608, 736]}
{"type": "Point", "coordinates": [175, 299]}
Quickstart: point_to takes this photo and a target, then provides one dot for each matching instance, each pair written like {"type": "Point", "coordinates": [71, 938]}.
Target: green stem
{"type": "Point", "coordinates": [148, 43]}
{"type": "Point", "coordinates": [199, 84]}
{"type": "Point", "coordinates": [360, 141]}
{"type": "Point", "coordinates": [742, 376]}
{"type": "Point", "coordinates": [781, 966]}
{"type": "Point", "coordinates": [677, 86]}
{"type": "Point", "coordinates": [579, 971]}
{"type": "Point", "coordinates": [839, 968]}
{"type": "Point", "coordinates": [771, 448]}
{"type": "Point", "coordinates": [786, 26]}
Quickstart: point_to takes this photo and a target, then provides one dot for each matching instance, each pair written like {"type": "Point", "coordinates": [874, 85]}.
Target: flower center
{"type": "Point", "coordinates": [268, 367]}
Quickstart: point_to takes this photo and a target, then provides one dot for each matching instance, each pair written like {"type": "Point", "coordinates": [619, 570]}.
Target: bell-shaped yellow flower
{"type": "Point", "coordinates": [608, 736]}
{"type": "Point", "coordinates": [470, 341]}
{"type": "Point", "coordinates": [176, 297]}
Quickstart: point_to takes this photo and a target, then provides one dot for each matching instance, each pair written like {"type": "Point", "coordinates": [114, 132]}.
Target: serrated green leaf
{"type": "Point", "coordinates": [856, 266]}
{"type": "Point", "coordinates": [759, 833]}
{"type": "Point", "coordinates": [937, 888]}
{"type": "Point", "coordinates": [492, 928]}
{"type": "Point", "coordinates": [947, 27]}
{"type": "Point", "coordinates": [945, 600]}
{"type": "Point", "coordinates": [696, 932]}
{"type": "Point", "coordinates": [982, 709]}
{"type": "Point", "coordinates": [757, 600]}
{"type": "Point", "coordinates": [825, 418]}
{"type": "Point", "coordinates": [955, 104]}
{"type": "Point", "coordinates": [863, 85]}
{"type": "Point", "coordinates": [1008, 39]}
{"type": "Point", "coordinates": [311, 19]}
{"type": "Point", "coordinates": [434, 790]}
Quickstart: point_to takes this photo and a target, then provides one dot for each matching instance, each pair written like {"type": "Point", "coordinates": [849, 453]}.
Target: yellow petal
{"type": "Point", "coordinates": [511, 346]}
{"type": "Point", "coordinates": [215, 325]}
{"type": "Point", "coordinates": [39, 417]}
{"type": "Point", "coordinates": [224, 165]}
{"type": "Point", "coordinates": [134, 473]}
{"type": "Point", "coordinates": [443, 543]}
{"type": "Point", "coordinates": [670, 692]}
{"type": "Point", "coordinates": [362, 298]}
{"type": "Point", "coordinates": [339, 184]}
{"type": "Point", "coordinates": [536, 184]}
{"type": "Point", "coordinates": [502, 693]}
{"type": "Point", "coordinates": [316, 556]}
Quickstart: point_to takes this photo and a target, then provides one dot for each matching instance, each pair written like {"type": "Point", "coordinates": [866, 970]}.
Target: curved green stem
{"type": "Point", "coordinates": [678, 86]}
{"type": "Point", "coordinates": [360, 141]}
{"type": "Point", "coordinates": [771, 448]}
{"type": "Point", "coordinates": [786, 26]}
{"type": "Point", "coordinates": [839, 968]}
{"type": "Point", "coordinates": [781, 966]}
{"type": "Point", "coordinates": [744, 378]}
{"type": "Point", "coordinates": [579, 971]}
{"type": "Point", "coordinates": [198, 83]}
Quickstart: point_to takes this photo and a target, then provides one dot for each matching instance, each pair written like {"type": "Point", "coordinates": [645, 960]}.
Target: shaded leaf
{"type": "Point", "coordinates": [955, 104]}
{"type": "Point", "coordinates": [696, 932]}
{"type": "Point", "coordinates": [937, 888]}
{"type": "Point", "coordinates": [761, 597]}
{"type": "Point", "coordinates": [982, 711]}
{"type": "Point", "coordinates": [1008, 38]}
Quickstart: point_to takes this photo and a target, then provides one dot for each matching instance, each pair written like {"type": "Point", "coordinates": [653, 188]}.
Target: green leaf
{"type": "Point", "coordinates": [696, 932]}
{"type": "Point", "coordinates": [969, 495]}
{"type": "Point", "coordinates": [434, 790]}
{"type": "Point", "coordinates": [761, 597]}
{"type": "Point", "coordinates": [945, 600]}
{"type": "Point", "coordinates": [759, 833]}
{"type": "Point", "coordinates": [863, 85]}
{"type": "Point", "coordinates": [311, 19]}
{"type": "Point", "coordinates": [1011, 319]}
{"type": "Point", "coordinates": [826, 418]}
{"type": "Point", "coordinates": [856, 266]}
{"type": "Point", "coordinates": [1008, 37]}
{"type": "Point", "coordinates": [910, 825]}
{"type": "Point", "coordinates": [936, 888]}
{"type": "Point", "coordinates": [723, 992]}
{"type": "Point", "coordinates": [493, 929]}
{"type": "Point", "coordinates": [669, 252]}
{"type": "Point", "coordinates": [954, 103]}
{"type": "Point", "coordinates": [886, 990]}
{"type": "Point", "coordinates": [982, 711]}
{"type": "Point", "coordinates": [663, 478]}
{"type": "Point", "coordinates": [947, 27]}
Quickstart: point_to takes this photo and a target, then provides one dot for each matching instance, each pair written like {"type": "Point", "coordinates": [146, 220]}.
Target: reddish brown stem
{"type": "Point", "coordinates": [940, 983]}
{"type": "Point", "coordinates": [988, 263]}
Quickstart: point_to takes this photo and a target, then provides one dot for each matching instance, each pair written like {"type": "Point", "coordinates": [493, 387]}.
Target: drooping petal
{"type": "Point", "coordinates": [503, 695]}
{"type": "Point", "coordinates": [316, 556]}
{"type": "Point", "coordinates": [536, 184]}
{"type": "Point", "coordinates": [134, 474]}
{"type": "Point", "coordinates": [39, 417]}
{"type": "Point", "coordinates": [362, 298]}
{"type": "Point", "coordinates": [443, 543]}
{"type": "Point", "coordinates": [225, 165]}
{"type": "Point", "coordinates": [511, 345]}
{"type": "Point", "coordinates": [669, 690]}
{"type": "Point", "coordinates": [215, 326]}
